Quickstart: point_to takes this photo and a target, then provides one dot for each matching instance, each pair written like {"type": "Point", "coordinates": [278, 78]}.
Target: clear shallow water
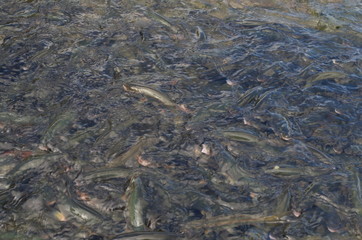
{"type": "Point", "coordinates": [263, 140]}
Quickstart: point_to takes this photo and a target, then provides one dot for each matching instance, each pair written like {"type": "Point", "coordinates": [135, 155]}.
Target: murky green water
{"type": "Point", "coordinates": [180, 119]}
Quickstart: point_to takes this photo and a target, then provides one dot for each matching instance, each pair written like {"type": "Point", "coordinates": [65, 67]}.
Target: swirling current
{"type": "Point", "coordinates": [180, 119]}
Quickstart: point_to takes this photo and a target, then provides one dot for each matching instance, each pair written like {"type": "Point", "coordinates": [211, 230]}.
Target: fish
{"type": "Point", "coordinates": [325, 76]}
{"type": "Point", "coordinates": [150, 92]}
{"type": "Point", "coordinates": [320, 155]}
{"type": "Point", "coordinates": [107, 173]}
{"type": "Point", "coordinates": [76, 207]}
{"type": "Point", "coordinates": [81, 210]}
{"type": "Point", "coordinates": [241, 136]}
{"type": "Point", "coordinates": [145, 235]}
{"type": "Point", "coordinates": [235, 220]}
{"type": "Point", "coordinates": [286, 171]}
{"type": "Point", "coordinates": [133, 151]}
{"type": "Point", "coordinates": [136, 204]}
{"type": "Point", "coordinates": [250, 96]}
{"type": "Point", "coordinates": [69, 206]}
{"type": "Point", "coordinates": [59, 125]}
{"type": "Point", "coordinates": [200, 34]}
{"type": "Point", "coordinates": [283, 202]}
{"type": "Point", "coordinates": [163, 20]}
{"type": "Point", "coordinates": [35, 162]}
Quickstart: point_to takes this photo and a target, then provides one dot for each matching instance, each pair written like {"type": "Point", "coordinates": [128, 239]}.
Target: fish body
{"type": "Point", "coordinates": [163, 20]}
{"type": "Point", "coordinates": [200, 34]}
{"type": "Point", "coordinates": [149, 92]}
{"type": "Point", "coordinates": [107, 173]}
{"type": "Point", "coordinates": [286, 171]}
{"type": "Point", "coordinates": [235, 220]}
{"type": "Point", "coordinates": [136, 204]}
{"type": "Point", "coordinates": [133, 151]}
{"type": "Point", "coordinates": [241, 136]}
{"type": "Point", "coordinates": [142, 235]}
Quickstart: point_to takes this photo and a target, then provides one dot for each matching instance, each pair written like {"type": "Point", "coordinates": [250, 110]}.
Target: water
{"type": "Point", "coordinates": [262, 139]}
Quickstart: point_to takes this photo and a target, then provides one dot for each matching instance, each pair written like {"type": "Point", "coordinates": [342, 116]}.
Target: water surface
{"type": "Point", "coordinates": [259, 138]}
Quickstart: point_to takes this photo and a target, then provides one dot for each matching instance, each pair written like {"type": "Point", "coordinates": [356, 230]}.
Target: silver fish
{"type": "Point", "coordinates": [147, 236]}
{"type": "Point", "coordinates": [136, 204]}
{"type": "Point", "coordinates": [149, 92]}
